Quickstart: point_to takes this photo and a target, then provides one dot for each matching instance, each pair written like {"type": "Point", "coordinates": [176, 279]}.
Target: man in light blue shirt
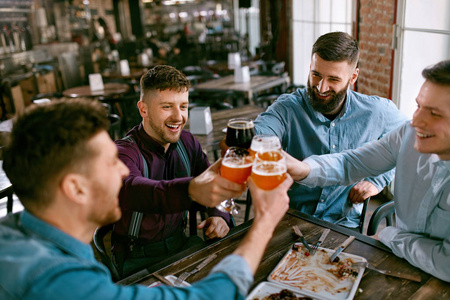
{"type": "Point", "coordinates": [420, 151]}
{"type": "Point", "coordinates": [328, 117]}
{"type": "Point", "coordinates": [66, 172]}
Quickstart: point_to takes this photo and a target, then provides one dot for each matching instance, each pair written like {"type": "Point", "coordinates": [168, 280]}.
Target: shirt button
{"type": "Point", "coordinates": [332, 124]}
{"type": "Point", "coordinates": [334, 146]}
{"type": "Point", "coordinates": [322, 200]}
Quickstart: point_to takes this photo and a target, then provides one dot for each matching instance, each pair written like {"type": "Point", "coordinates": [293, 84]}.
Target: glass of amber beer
{"type": "Point", "coordinates": [240, 132]}
{"type": "Point", "coordinates": [236, 167]}
{"type": "Point", "coordinates": [269, 172]}
{"type": "Point", "coordinates": [268, 146]}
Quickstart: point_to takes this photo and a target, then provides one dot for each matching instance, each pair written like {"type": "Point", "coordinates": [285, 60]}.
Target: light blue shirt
{"type": "Point", "coordinates": [38, 261]}
{"type": "Point", "coordinates": [421, 195]}
{"type": "Point", "coordinates": [304, 132]}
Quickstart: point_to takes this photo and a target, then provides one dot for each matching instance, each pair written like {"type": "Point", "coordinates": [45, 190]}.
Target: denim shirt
{"type": "Point", "coordinates": [421, 195]}
{"type": "Point", "coordinates": [38, 261]}
{"type": "Point", "coordinates": [304, 132]}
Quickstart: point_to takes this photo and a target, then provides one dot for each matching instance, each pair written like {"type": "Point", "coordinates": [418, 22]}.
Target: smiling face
{"type": "Point", "coordinates": [328, 82]}
{"type": "Point", "coordinates": [164, 115]}
{"type": "Point", "coordinates": [431, 120]}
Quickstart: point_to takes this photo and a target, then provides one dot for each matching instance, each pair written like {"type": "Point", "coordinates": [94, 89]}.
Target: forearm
{"type": "Point", "coordinates": [253, 245]}
{"type": "Point", "coordinates": [430, 255]}
{"type": "Point", "coordinates": [155, 196]}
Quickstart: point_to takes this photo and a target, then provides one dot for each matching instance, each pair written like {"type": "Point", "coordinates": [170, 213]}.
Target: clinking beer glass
{"type": "Point", "coordinates": [237, 167]}
{"type": "Point", "coordinates": [269, 166]}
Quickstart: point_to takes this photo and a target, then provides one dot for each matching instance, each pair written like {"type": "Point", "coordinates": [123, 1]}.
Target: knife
{"type": "Point", "coordinates": [162, 279]}
{"type": "Point", "coordinates": [320, 241]}
{"type": "Point", "coordinates": [341, 247]}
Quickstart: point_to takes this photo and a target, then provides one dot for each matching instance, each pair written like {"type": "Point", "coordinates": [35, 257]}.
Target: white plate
{"type": "Point", "coordinates": [172, 279]}
{"type": "Point", "coordinates": [315, 278]}
{"type": "Point", "coordinates": [265, 289]}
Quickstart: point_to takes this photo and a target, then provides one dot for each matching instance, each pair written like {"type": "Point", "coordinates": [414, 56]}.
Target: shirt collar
{"type": "Point", "coordinates": [48, 232]}
{"type": "Point", "coordinates": [444, 164]}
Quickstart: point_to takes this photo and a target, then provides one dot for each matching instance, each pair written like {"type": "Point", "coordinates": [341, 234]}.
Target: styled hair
{"type": "Point", "coordinates": [438, 73]}
{"type": "Point", "coordinates": [164, 77]}
{"type": "Point", "coordinates": [47, 142]}
{"type": "Point", "coordinates": [337, 46]}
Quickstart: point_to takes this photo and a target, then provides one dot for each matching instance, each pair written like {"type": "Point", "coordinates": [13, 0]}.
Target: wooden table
{"type": "Point", "coordinates": [110, 89]}
{"type": "Point", "coordinates": [135, 74]}
{"type": "Point", "coordinates": [220, 120]}
{"type": "Point", "coordinates": [373, 285]}
{"type": "Point", "coordinates": [248, 89]}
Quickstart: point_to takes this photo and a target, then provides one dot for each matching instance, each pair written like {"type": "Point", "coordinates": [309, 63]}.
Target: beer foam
{"type": "Point", "coordinates": [237, 163]}
{"type": "Point", "coordinates": [269, 168]}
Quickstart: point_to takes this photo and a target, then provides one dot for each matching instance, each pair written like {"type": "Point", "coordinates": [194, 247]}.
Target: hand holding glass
{"type": "Point", "coordinates": [236, 167]}
{"type": "Point", "coordinates": [269, 169]}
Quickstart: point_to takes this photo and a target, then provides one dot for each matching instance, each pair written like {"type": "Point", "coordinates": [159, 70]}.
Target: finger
{"type": "Point", "coordinates": [201, 225]}
{"type": "Point", "coordinates": [215, 167]}
{"type": "Point", "coordinates": [210, 228]}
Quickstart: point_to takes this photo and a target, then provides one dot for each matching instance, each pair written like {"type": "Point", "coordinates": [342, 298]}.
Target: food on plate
{"type": "Point", "coordinates": [315, 272]}
{"type": "Point", "coordinates": [283, 295]}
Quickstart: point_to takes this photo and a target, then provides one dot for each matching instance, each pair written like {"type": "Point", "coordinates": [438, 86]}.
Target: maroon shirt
{"type": "Point", "coordinates": [163, 197]}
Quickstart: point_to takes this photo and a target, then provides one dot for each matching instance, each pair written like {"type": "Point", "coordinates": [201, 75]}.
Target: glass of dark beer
{"type": "Point", "coordinates": [240, 132]}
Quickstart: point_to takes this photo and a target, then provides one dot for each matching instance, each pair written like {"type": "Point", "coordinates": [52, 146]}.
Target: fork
{"type": "Point", "coordinates": [320, 241]}
{"type": "Point", "coordinates": [299, 233]}
{"type": "Point", "coordinates": [366, 264]}
{"type": "Point", "coordinates": [185, 275]}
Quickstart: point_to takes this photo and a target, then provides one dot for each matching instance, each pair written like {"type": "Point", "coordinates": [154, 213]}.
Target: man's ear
{"type": "Point", "coordinates": [143, 109]}
{"type": "Point", "coordinates": [354, 76]}
{"type": "Point", "coordinates": [75, 187]}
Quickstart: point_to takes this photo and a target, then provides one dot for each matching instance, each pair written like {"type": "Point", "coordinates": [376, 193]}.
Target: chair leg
{"type": "Point", "coordinates": [363, 215]}
{"type": "Point", "coordinates": [248, 206]}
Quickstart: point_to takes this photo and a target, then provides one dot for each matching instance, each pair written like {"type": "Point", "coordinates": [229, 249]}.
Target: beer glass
{"type": "Point", "coordinates": [268, 174]}
{"type": "Point", "coordinates": [236, 167]}
{"type": "Point", "coordinates": [268, 146]}
{"type": "Point", "coordinates": [240, 132]}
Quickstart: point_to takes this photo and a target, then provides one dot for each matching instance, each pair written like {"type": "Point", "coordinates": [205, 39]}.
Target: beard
{"type": "Point", "coordinates": [326, 108]}
{"type": "Point", "coordinates": [164, 136]}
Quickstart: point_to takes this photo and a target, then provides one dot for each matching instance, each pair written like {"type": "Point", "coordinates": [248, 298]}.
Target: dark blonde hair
{"type": "Point", "coordinates": [48, 141]}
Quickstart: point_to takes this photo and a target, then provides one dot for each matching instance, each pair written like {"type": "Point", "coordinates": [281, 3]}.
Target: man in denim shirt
{"type": "Point", "coordinates": [66, 172]}
{"type": "Point", "coordinates": [420, 152]}
{"type": "Point", "coordinates": [328, 117]}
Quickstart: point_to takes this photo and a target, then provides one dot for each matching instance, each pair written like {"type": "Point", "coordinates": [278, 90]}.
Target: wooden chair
{"type": "Point", "coordinates": [384, 211]}
{"type": "Point", "coordinates": [99, 244]}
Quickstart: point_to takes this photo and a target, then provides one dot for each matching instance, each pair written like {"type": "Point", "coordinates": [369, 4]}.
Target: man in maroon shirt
{"type": "Point", "coordinates": [165, 181]}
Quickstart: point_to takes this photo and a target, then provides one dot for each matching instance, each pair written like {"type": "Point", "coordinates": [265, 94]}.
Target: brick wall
{"type": "Point", "coordinates": [375, 38]}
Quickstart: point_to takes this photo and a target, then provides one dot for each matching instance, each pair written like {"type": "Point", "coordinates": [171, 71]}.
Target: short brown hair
{"type": "Point", "coordinates": [438, 73]}
{"type": "Point", "coordinates": [48, 141]}
{"type": "Point", "coordinates": [337, 46]}
{"type": "Point", "coordinates": [164, 77]}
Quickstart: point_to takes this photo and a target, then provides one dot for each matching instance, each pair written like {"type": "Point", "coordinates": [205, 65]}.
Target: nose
{"type": "Point", "coordinates": [322, 87]}
{"type": "Point", "coordinates": [124, 171]}
{"type": "Point", "coordinates": [418, 118]}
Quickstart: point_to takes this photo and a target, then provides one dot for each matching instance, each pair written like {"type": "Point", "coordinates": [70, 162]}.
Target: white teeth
{"type": "Point", "coordinates": [423, 135]}
{"type": "Point", "coordinates": [172, 126]}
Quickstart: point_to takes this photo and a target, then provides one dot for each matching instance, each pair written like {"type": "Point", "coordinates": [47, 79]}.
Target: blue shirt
{"type": "Point", "coordinates": [38, 261]}
{"type": "Point", "coordinates": [421, 195]}
{"type": "Point", "coordinates": [304, 132]}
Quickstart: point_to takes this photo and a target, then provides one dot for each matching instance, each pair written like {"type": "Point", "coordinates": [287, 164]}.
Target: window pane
{"type": "Point", "coordinates": [415, 58]}
{"type": "Point", "coordinates": [422, 14]}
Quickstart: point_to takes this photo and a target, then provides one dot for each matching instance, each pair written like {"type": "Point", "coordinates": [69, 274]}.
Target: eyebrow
{"type": "Point", "coordinates": [332, 77]}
